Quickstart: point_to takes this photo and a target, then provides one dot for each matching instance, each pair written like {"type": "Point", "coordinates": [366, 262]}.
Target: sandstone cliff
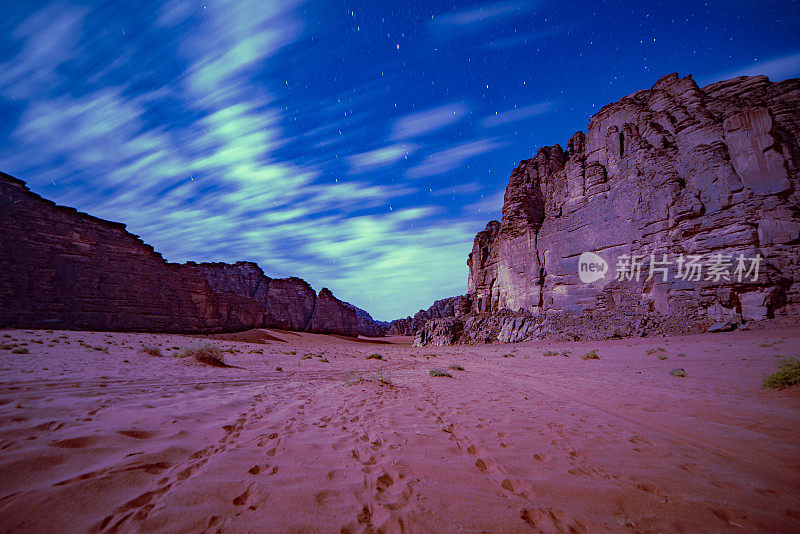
{"type": "Point", "coordinates": [448, 307]}
{"type": "Point", "coordinates": [60, 268]}
{"type": "Point", "coordinates": [367, 326]}
{"type": "Point", "coordinates": [673, 170]}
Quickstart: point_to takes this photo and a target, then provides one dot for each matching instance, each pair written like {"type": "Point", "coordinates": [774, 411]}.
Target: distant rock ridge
{"type": "Point", "coordinates": [447, 307]}
{"type": "Point", "coordinates": [673, 170]}
{"type": "Point", "coordinates": [60, 268]}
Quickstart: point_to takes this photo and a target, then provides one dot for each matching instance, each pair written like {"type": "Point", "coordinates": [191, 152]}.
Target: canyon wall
{"type": "Point", "coordinates": [663, 175]}
{"type": "Point", "coordinates": [448, 307]}
{"type": "Point", "coordinates": [60, 268]}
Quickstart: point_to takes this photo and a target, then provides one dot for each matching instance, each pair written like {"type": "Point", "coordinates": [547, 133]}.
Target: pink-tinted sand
{"type": "Point", "coordinates": [96, 436]}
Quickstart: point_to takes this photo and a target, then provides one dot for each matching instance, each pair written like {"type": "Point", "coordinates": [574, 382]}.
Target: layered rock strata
{"type": "Point", "coordinates": [60, 268]}
{"type": "Point", "coordinates": [448, 307]}
{"type": "Point", "coordinates": [662, 175]}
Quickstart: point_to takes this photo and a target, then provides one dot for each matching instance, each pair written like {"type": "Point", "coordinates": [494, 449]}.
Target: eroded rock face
{"type": "Point", "coordinates": [332, 316]}
{"type": "Point", "coordinates": [367, 326]}
{"type": "Point", "coordinates": [63, 269]}
{"type": "Point", "coordinates": [449, 307]}
{"type": "Point", "coordinates": [673, 170]}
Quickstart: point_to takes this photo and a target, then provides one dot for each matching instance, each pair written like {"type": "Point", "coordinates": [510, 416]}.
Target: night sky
{"type": "Point", "coordinates": [358, 145]}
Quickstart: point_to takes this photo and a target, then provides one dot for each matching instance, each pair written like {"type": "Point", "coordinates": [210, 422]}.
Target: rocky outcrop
{"type": "Point", "coordinates": [667, 173]}
{"type": "Point", "coordinates": [332, 316]}
{"type": "Point", "coordinates": [60, 268]}
{"type": "Point", "coordinates": [367, 326]}
{"type": "Point", "coordinates": [449, 307]}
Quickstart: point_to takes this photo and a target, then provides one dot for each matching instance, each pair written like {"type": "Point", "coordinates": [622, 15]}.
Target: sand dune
{"type": "Point", "coordinates": [97, 436]}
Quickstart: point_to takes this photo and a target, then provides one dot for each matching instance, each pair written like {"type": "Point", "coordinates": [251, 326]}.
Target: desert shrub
{"type": "Point", "coordinates": [682, 355]}
{"type": "Point", "coordinates": [256, 351]}
{"type": "Point", "coordinates": [662, 356]}
{"type": "Point", "coordinates": [787, 375]}
{"type": "Point", "coordinates": [7, 346]}
{"type": "Point", "coordinates": [440, 372]}
{"type": "Point", "coordinates": [279, 369]}
{"type": "Point", "coordinates": [456, 367]}
{"type": "Point", "coordinates": [152, 350]}
{"type": "Point", "coordinates": [379, 377]}
{"type": "Point", "coordinates": [207, 354]}
{"type": "Point", "coordinates": [550, 353]}
{"type": "Point", "coordinates": [19, 350]}
{"type": "Point", "coordinates": [324, 360]}
{"type": "Point", "coordinates": [678, 372]}
{"type": "Point", "coordinates": [509, 355]}
{"type": "Point", "coordinates": [653, 351]}
{"type": "Point", "coordinates": [591, 355]}
{"type": "Point", "coordinates": [375, 357]}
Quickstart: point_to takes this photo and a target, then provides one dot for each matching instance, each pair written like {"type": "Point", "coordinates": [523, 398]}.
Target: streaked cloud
{"type": "Point", "coordinates": [517, 114]}
{"type": "Point", "coordinates": [777, 69]}
{"type": "Point", "coordinates": [451, 158]}
{"type": "Point", "coordinates": [380, 157]}
{"type": "Point", "coordinates": [521, 39]}
{"type": "Point", "coordinates": [428, 121]}
{"type": "Point", "coordinates": [475, 17]}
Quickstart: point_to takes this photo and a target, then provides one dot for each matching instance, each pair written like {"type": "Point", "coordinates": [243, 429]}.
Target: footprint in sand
{"type": "Point", "coordinates": [265, 469]}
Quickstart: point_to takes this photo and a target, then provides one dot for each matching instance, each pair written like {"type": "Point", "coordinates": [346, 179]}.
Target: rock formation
{"type": "Point", "coordinates": [367, 326]}
{"type": "Point", "coordinates": [449, 307]}
{"type": "Point", "coordinates": [675, 170]}
{"type": "Point", "coordinates": [60, 268]}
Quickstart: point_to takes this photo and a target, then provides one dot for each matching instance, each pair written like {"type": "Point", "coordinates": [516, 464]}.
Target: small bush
{"type": "Point", "coordinates": [324, 360]}
{"type": "Point", "coordinates": [787, 375]}
{"type": "Point", "coordinates": [279, 369]}
{"type": "Point", "coordinates": [375, 357]}
{"type": "Point", "coordinates": [682, 355]}
{"type": "Point", "coordinates": [456, 367]}
{"type": "Point", "coordinates": [509, 355]}
{"type": "Point", "coordinates": [207, 354]}
{"type": "Point", "coordinates": [592, 355]}
{"type": "Point", "coordinates": [662, 356]}
{"type": "Point", "coordinates": [19, 350]}
{"type": "Point", "coordinates": [380, 377]}
{"type": "Point", "coordinates": [152, 350]}
{"type": "Point", "coordinates": [291, 353]}
{"type": "Point", "coordinates": [678, 372]}
{"type": "Point", "coordinates": [653, 351]}
{"type": "Point", "coordinates": [550, 353]}
{"type": "Point", "coordinates": [7, 346]}
{"type": "Point", "coordinates": [256, 351]}
{"type": "Point", "coordinates": [440, 372]}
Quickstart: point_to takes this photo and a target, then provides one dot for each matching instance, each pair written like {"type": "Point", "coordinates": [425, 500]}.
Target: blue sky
{"type": "Point", "coordinates": [358, 145]}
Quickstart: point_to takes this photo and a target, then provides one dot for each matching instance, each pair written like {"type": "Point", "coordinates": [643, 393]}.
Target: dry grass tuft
{"type": "Point", "coordinates": [206, 354]}
{"type": "Point", "coordinates": [787, 375]}
{"type": "Point", "coordinates": [152, 350]}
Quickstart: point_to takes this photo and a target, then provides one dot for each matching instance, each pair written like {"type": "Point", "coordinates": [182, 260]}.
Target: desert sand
{"type": "Point", "coordinates": [307, 434]}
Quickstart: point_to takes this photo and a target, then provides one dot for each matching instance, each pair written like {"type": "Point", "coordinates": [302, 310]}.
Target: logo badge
{"type": "Point", "coordinates": [591, 267]}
